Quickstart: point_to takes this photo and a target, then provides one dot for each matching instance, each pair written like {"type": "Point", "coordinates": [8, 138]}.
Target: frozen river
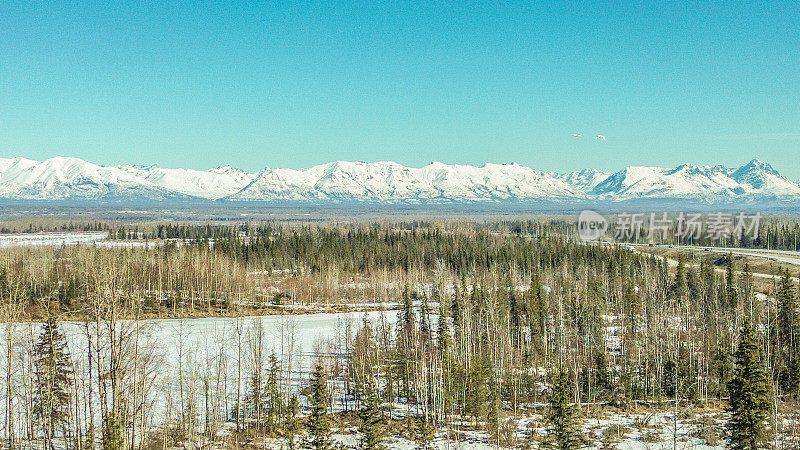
{"type": "Point", "coordinates": [58, 239]}
{"type": "Point", "coordinates": [50, 239]}
{"type": "Point", "coordinates": [179, 362]}
{"type": "Point", "coordinates": [294, 339]}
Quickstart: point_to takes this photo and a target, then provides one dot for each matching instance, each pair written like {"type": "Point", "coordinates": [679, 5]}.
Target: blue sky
{"type": "Point", "coordinates": [297, 84]}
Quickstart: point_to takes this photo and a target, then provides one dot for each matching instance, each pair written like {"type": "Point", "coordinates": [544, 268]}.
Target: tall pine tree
{"type": "Point", "coordinates": [789, 336]}
{"type": "Point", "coordinates": [749, 395]}
{"type": "Point", "coordinates": [274, 400]}
{"type": "Point", "coordinates": [319, 421]}
{"type": "Point", "coordinates": [563, 431]}
{"type": "Point", "coordinates": [721, 368]}
{"type": "Point", "coordinates": [290, 421]}
{"type": "Point", "coordinates": [372, 423]}
{"type": "Point", "coordinates": [730, 283]}
{"type": "Point", "coordinates": [53, 375]}
{"type": "Point", "coordinates": [679, 287]}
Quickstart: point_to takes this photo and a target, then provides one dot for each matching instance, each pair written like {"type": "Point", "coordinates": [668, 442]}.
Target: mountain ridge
{"type": "Point", "coordinates": [67, 178]}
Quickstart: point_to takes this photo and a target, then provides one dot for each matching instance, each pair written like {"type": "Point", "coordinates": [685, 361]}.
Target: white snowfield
{"type": "Point", "coordinates": [181, 353]}
{"type": "Point", "coordinates": [57, 239]}
{"type": "Point", "coordinates": [212, 344]}
{"type": "Point", "coordinates": [51, 239]}
{"type": "Point", "coordinates": [63, 178]}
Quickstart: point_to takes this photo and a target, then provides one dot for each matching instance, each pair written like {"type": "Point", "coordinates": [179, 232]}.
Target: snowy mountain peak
{"type": "Point", "coordinates": [762, 176]}
{"type": "Point", "coordinates": [757, 164]}
{"type": "Point", "coordinates": [389, 182]}
{"type": "Point", "coordinates": [707, 183]}
{"type": "Point", "coordinates": [585, 179]}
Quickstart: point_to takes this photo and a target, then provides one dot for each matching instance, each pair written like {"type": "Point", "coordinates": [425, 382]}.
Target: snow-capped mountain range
{"type": "Point", "coordinates": [63, 178]}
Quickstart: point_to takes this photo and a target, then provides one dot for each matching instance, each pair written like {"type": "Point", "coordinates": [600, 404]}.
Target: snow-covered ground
{"type": "Point", "coordinates": [635, 431]}
{"type": "Point", "coordinates": [57, 239]}
{"type": "Point", "coordinates": [50, 239]}
{"type": "Point", "coordinates": [184, 352]}
{"type": "Point", "coordinates": [190, 352]}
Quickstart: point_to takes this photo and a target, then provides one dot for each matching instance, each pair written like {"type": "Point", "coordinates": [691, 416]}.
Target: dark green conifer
{"type": "Point", "coordinates": [730, 283]}
{"type": "Point", "coordinates": [789, 336]}
{"type": "Point", "coordinates": [319, 420]}
{"type": "Point", "coordinates": [53, 376]}
{"type": "Point", "coordinates": [290, 422]}
{"type": "Point", "coordinates": [443, 338]}
{"type": "Point", "coordinates": [679, 287]}
{"type": "Point", "coordinates": [273, 395]}
{"type": "Point", "coordinates": [749, 395]}
{"type": "Point", "coordinates": [722, 369]}
{"type": "Point", "coordinates": [372, 423]}
{"type": "Point", "coordinates": [563, 431]}
{"type": "Point", "coordinates": [602, 374]}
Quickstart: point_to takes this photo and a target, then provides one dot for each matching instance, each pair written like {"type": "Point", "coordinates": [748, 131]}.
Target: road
{"type": "Point", "coordinates": [785, 256]}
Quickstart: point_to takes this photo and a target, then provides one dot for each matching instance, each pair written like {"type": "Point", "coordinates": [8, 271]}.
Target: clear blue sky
{"type": "Point", "coordinates": [205, 84]}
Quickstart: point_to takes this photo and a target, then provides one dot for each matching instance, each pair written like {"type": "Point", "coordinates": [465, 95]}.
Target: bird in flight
{"type": "Point", "coordinates": [600, 136]}
{"type": "Point", "coordinates": [577, 135]}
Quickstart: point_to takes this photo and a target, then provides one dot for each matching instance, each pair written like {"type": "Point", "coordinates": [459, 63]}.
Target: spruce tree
{"type": "Point", "coordinates": [424, 322]}
{"type": "Point", "coordinates": [679, 287]}
{"type": "Point", "coordinates": [407, 316]}
{"type": "Point", "coordinates": [789, 336]}
{"type": "Point", "coordinates": [372, 424]}
{"type": "Point", "coordinates": [319, 421]}
{"type": "Point", "coordinates": [255, 399]}
{"type": "Point", "coordinates": [493, 413]}
{"type": "Point", "coordinates": [563, 431]}
{"type": "Point", "coordinates": [669, 378]}
{"type": "Point", "coordinates": [478, 388]}
{"type": "Point", "coordinates": [749, 395]}
{"type": "Point", "coordinates": [603, 375]}
{"type": "Point", "coordinates": [730, 283]}
{"type": "Point", "coordinates": [273, 394]}
{"type": "Point", "coordinates": [53, 375]}
{"type": "Point", "coordinates": [444, 344]}
{"type": "Point", "coordinates": [515, 313]}
{"type": "Point", "coordinates": [443, 338]}
{"type": "Point", "coordinates": [290, 422]}
{"type": "Point", "coordinates": [424, 432]}
{"type": "Point", "coordinates": [721, 367]}
{"type": "Point", "coordinates": [112, 432]}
